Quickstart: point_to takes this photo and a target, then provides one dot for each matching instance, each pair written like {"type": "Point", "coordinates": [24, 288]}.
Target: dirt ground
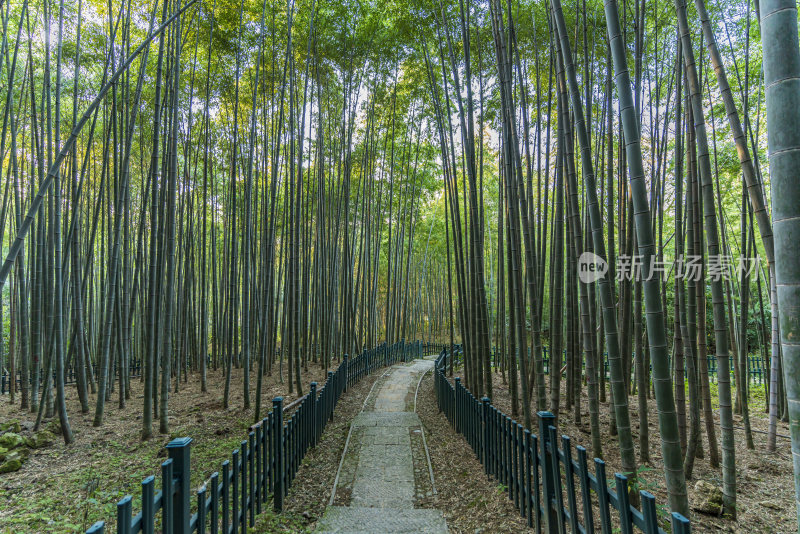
{"type": "Point", "coordinates": [765, 488]}
{"type": "Point", "coordinates": [470, 501]}
{"type": "Point", "coordinates": [67, 488]}
{"type": "Point", "coordinates": [312, 486]}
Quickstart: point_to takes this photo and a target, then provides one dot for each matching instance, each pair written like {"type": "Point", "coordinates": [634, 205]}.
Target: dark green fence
{"type": "Point", "coordinates": [69, 376]}
{"type": "Point", "coordinates": [263, 466]}
{"type": "Point", "coordinates": [757, 367]}
{"type": "Point", "coordinates": [540, 477]}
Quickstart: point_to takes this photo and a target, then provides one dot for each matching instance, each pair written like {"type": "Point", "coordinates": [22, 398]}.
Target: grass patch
{"type": "Point", "coordinates": [757, 395]}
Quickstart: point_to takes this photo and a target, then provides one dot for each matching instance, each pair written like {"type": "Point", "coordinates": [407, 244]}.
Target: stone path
{"type": "Point", "coordinates": [378, 465]}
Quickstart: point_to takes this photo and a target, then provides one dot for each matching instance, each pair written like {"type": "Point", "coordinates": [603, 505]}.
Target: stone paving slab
{"type": "Point", "coordinates": [358, 520]}
{"type": "Point", "coordinates": [387, 419]}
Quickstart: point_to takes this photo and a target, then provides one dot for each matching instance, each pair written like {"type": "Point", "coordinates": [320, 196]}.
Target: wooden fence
{"type": "Point", "coordinates": [538, 475]}
{"type": "Point", "coordinates": [262, 467]}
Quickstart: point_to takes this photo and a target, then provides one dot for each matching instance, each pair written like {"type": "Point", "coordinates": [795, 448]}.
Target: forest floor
{"type": "Point", "coordinates": [471, 502]}
{"type": "Point", "coordinates": [67, 488]}
{"type": "Point", "coordinates": [765, 487]}
{"type": "Point", "coordinates": [311, 489]}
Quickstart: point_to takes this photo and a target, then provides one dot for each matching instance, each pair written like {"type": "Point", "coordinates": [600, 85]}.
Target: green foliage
{"type": "Point", "coordinates": [83, 494]}
{"type": "Point", "coordinates": [268, 521]}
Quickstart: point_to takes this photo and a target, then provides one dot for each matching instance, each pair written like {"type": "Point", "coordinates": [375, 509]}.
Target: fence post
{"type": "Point", "coordinates": [313, 415]}
{"type": "Point", "coordinates": [680, 525]}
{"type": "Point", "coordinates": [124, 515]}
{"type": "Point", "coordinates": [486, 437]}
{"type": "Point", "coordinates": [346, 373]}
{"type": "Point", "coordinates": [546, 420]}
{"type": "Point", "coordinates": [625, 521]}
{"type": "Point", "coordinates": [179, 451]}
{"type": "Point", "coordinates": [148, 506]}
{"type": "Point", "coordinates": [456, 421]}
{"type": "Point", "coordinates": [277, 429]}
{"type": "Point", "coordinates": [331, 388]}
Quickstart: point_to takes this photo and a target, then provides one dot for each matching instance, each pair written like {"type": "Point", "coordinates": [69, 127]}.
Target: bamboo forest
{"type": "Point", "coordinates": [382, 266]}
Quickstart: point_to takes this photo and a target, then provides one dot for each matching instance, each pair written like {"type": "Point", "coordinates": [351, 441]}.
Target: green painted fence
{"type": "Point", "coordinates": [551, 489]}
{"type": "Point", "coordinates": [264, 465]}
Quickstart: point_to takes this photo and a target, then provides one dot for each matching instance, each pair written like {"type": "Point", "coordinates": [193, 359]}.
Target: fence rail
{"type": "Point", "coordinates": [263, 466]}
{"type": "Point", "coordinates": [69, 376]}
{"type": "Point", "coordinates": [757, 369]}
{"type": "Point", "coordinates": [540, 477]}
{"type": "Point", "coordinates": [757, 366]}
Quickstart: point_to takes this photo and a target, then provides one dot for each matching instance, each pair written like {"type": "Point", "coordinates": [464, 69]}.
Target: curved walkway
{"type": "Point", "coordinates": [383, 468]}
